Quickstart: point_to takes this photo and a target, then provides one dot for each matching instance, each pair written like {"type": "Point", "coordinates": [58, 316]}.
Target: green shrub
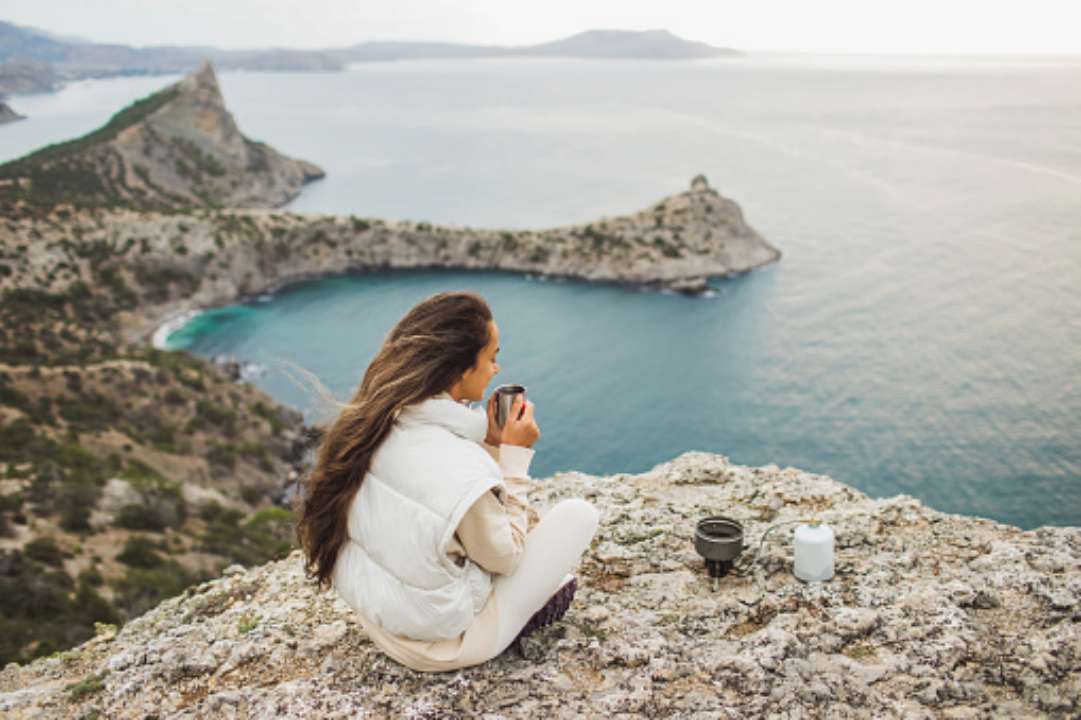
{"type": "Point", "coordinates": [91, 576]}
{"type": "Point", "coordinates": [140, 552]}
{"type": "Point", "coordinates": [40, 615]}
{"type": "Point", "coordinates": [143, 588]}
{"type": "Point", "coordinates": [44, 550]}
{"type": "Point", "coordinates": [270, 415]}
{"type": "Point", "coordinates": [222, 455]}
{"type": "Point", "coordinates": [267, 535]}
{"type": "Point", "coordinates": [539, 254]}
{"type": "Point", "coordinates": [221, 417]}
{"type": "Point", "coordinates": [140, 474]}
{"type": "Point", "coordinates": [74, 501]}
{"type": "Point", "coordinates": [89, 412]}
{"type": "Point", "coordinates": [140, 517]}
{"type": "Point", "coordinates": [17, 440]}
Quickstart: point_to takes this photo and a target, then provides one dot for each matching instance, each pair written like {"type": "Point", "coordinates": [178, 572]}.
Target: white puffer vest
{"type": "Point", "coordinates": [424, 476]}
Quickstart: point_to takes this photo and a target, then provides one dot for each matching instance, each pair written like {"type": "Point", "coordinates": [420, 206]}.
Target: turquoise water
{"type": "Point", "coordinates": [921, 334]}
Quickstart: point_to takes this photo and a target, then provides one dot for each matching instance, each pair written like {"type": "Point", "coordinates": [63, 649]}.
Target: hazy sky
{"type": "Point", "coordinates": [844, 26]}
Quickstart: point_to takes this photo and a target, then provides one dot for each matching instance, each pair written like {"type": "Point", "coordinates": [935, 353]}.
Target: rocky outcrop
{"type": "Point", "coordinates": [7, 114]}
{"type": "Point", "coordinates": [928, 615]}
{"type": "Point", "coordinates": [177, 149]}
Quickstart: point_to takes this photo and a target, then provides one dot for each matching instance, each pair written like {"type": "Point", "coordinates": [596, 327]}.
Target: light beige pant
{"type": "Point", "coordinates": [552, 551]}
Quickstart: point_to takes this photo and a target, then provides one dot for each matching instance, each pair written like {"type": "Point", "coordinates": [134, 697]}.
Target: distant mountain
{"type": "Point", "coordinates": [651, 44]}
{"type": "Point", "coordinates": [22, 42]}
{"type": "Point", "coordinates": [75, 59]}
{"type": "Point", "coordinates": [37, 59]}
{"type": "Point", "coordinates": [175, 149]}
{"type": "Point", "coordinates": [613, 44]}
{"type": "Point", "coordinates": [22, 75]}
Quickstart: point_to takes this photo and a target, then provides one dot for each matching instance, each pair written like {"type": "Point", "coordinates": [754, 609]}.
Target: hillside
{"type": "Point", "coordinates": [176, 149]}
{"type": "Point", "coordinates": [126, 473]}
{"type": "Point", "coordinates": [928, 615]}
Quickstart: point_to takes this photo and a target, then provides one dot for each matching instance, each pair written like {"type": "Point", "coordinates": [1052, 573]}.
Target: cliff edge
{"type": "Point", "coordinates": [928, 615]}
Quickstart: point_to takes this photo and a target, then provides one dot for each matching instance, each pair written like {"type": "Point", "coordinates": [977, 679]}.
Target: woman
{"type": "Point", "coordinates": [416, 509]}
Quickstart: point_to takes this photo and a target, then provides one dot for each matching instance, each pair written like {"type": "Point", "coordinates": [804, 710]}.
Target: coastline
{"type": "Point", "coordinates": [176, 318]}
{"type": "Point", "coordinates": [159, 338]}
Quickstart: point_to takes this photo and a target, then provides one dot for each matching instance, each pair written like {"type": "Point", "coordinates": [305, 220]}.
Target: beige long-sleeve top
{"type": "Point", "coordinates": [492, 534]}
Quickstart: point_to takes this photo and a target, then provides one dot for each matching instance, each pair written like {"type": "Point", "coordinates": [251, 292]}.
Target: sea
{"type": "Point", "coordinates": [921, 334]}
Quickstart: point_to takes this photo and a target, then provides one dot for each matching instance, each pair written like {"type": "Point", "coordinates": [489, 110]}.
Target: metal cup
{"type": "Point", "coordinates": [504, 401]}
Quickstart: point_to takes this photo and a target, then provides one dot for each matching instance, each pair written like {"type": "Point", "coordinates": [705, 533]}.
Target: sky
{"type": "Point", "coordinates": [966, 27]}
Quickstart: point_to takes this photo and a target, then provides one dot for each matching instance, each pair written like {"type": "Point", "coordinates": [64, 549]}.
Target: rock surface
{"type": "Point", "coordinates": [928, 615]}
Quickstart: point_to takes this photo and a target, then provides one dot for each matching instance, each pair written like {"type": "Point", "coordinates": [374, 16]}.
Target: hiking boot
{"type": "Point", "coordinates": [553, 610]}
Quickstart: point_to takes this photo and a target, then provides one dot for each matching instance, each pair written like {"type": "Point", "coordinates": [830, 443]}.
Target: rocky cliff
{"type": "Point", "coordinates": [928, 615]}
{"type": "Point", "coordinates": [177, 149]}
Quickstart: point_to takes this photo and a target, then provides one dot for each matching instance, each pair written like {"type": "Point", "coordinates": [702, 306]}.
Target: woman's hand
{"type": "Point", "coordinates": [495, 433]}
{"type": "Point", "coordinates": [520, 430]}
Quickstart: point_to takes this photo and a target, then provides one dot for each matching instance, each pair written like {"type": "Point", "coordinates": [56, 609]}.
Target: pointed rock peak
{"type": "Point", "coordinates": [699, 183]}
{"type": "Point", "coordinates": [204, 78]}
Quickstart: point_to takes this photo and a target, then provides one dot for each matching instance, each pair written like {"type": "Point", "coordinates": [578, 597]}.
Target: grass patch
{"type": "Point", "coordinates": [78, 691]}
{"type": "Point", "coordinates": [247, 623]}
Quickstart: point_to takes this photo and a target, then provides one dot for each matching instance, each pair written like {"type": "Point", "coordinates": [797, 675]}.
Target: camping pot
{"type": "Point", "coordinates": [719, 540]}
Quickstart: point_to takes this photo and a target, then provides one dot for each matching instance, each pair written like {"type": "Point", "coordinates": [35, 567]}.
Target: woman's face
{"type": "Point", "coordinates": [474, 382]}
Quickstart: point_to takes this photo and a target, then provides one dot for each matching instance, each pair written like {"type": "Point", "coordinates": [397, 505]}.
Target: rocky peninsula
{"type": "Point", "coordinates": [178, 148]}
{"type": "Point", "coordinates": [929, 615]}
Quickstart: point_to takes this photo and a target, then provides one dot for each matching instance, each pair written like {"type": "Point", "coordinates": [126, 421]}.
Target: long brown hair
{"type": "Point", "coordinates": [425, 353]}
